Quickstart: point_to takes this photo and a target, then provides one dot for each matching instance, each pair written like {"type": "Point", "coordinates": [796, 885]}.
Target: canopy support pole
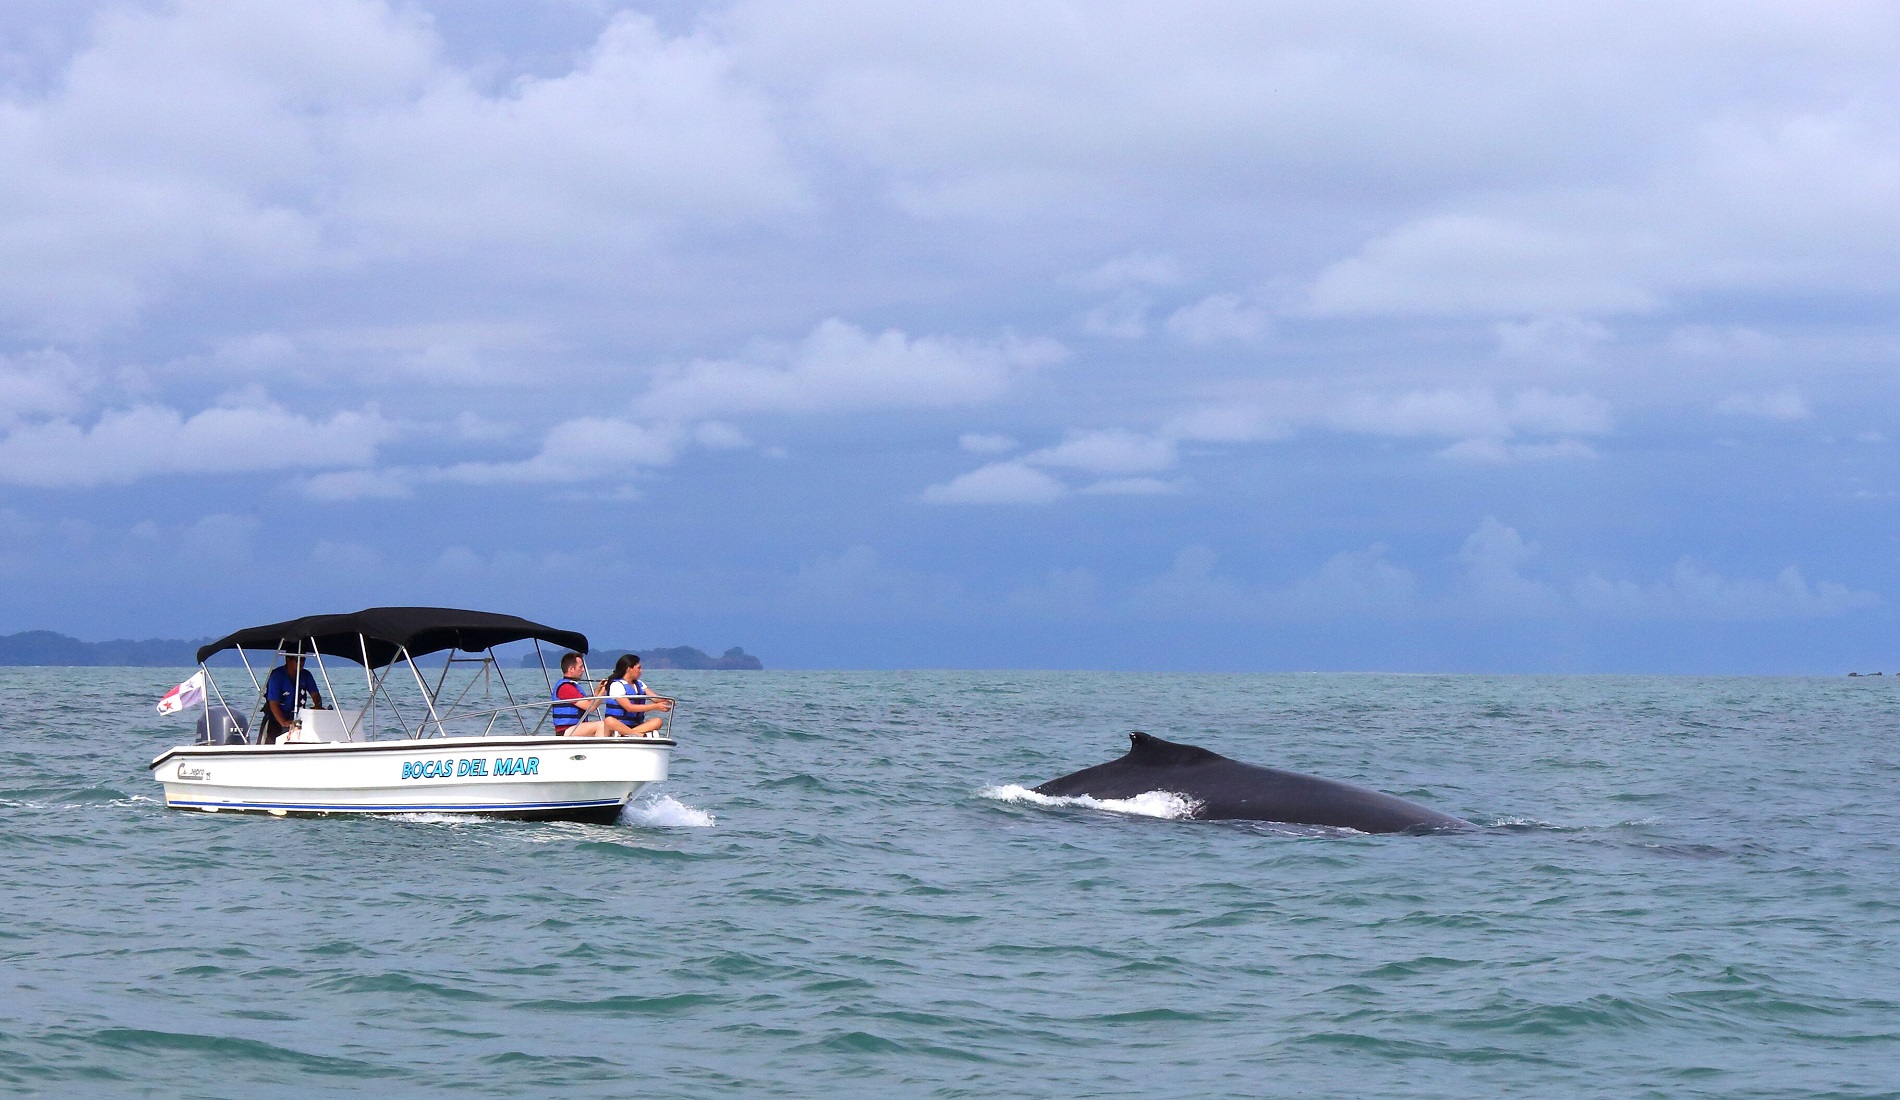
{"type": "Point", "coordinates": [514, 707]}
{"type": "Point", "coordinates": [327, 687]}
{"type": "Point", "coordinates": [423, 685]}
{"type": "Point", "coordinates": [257, 715]}
{"type": "Point", "coordinates": [367, 721]}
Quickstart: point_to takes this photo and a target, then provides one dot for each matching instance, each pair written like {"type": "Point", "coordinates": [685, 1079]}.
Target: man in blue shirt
{"type": "Point", "coordinates": [286, 682]}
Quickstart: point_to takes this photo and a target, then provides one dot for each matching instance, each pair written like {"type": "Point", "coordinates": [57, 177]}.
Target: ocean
{"type": "Point", "coordinates": [1681, 888]}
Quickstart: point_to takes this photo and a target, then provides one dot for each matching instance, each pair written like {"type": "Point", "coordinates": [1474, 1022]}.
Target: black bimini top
{"type": "Point", "coordinates": [384, 631]}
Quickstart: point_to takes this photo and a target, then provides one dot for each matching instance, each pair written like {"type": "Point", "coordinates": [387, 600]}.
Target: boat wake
{"type": "Point", "coordinates": [1160, 804]}
{"type": "Point", "coordinates": [665, 812]}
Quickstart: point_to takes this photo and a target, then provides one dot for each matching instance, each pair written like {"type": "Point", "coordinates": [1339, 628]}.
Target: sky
{"type": "Point", "coordinates": [1467, 336]}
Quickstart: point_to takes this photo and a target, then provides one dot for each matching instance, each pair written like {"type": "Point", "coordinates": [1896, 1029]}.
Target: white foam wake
{"type": "Point", "coordinates": [666, 812]}
{"type": "Point", "coordinates": [1162, 804]}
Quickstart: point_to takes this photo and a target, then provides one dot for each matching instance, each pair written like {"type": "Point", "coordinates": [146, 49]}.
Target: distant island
{"type": "Point", "coordinates": [661, 657]}
{"type": "Point", "coordinates": [46, 647]}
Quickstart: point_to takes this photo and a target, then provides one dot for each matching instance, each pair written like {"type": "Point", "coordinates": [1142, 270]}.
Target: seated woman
{"type": "Point", "coordinates": [630, 703]}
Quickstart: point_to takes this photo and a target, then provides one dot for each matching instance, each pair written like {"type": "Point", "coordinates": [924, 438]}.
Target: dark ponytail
{"type": "Point", "coordinates": [626, 661]}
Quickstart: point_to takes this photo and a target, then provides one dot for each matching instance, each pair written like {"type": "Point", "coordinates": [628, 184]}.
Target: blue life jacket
{"type": "Point", "coordinates": [636, 693]}
{"type": "Point", "coordinates": [564, 712]}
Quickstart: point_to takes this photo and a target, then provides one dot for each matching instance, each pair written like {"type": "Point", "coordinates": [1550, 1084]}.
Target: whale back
{"type": "Point", "coordinates": [1226, 789]}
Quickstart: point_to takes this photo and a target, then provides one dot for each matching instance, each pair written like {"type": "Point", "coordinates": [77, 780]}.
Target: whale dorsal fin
{"type": "Point", "coordinates": [1145, 748]}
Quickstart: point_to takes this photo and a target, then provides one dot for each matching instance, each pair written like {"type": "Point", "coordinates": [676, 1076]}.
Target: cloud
{"type": "Point", "coordinates": [202, 139]}
{"type": "Point", "coordinates": [1475, 413]}
{"type": "Point", "coordinates": [841, 368]}
{"type": "Point", "coordinates": [1486, 429]}
{"type": "Point", "coordinates": [1114, 451]}
{"type": "Point", "coordinates": [346, 485]}
{"type": "Point", "coordinates": [857, 581]}
{"type": "Point", "coordinates": [1493, 557]}
{"type": "Point", "coordinates": [1220, 318]}
{"type": "Point", "coordinates": [1123, 317]}
{"type": "Point", "coordinates": [837, 368]}
{"type": "Point", "coordinates": [1025, 480]}
{"type": "Point", "coordinates": [720, 436]}
{"type": "Point", "coordinates": [1061, 593]}
{"type": "Point", "coordinates": [42, 383]}
{"type": "Point", "coordinates": [1782, 404]}
{"type": "Point", "coordinates": [1136, 269]}
{"type": "Point", "coordinates": [1466, 264]}
{"type": "Point", "coordinates": [1363, 582]}
{"type": "Point", "coordinates": [586, 448]}
{"type": "Point", "coordinates": [1724, 341]}
{"type": "Point", "coordinates": [1692, 592]}
{"type": "Point", "coordinates": [1191, 589]}
{"type": "Point", "coordinates": [127, 445]}
{"type": "Point", "coordinates": [998, 483]}
{"type": "Point", "coordinates": [1559, 340]}
{"type": "Point", "coordinates": [1228, 422]}
{"type": "Point", "coordinates": [981, 443]}
{"type": "Point", "coordinates": [1498, 452]}
{"type": "Point", "coordinates": [1132, 486]}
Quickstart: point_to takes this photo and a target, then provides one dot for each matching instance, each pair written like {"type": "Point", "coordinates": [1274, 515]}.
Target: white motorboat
{"type": "Point", "coordinates": [449, 751]}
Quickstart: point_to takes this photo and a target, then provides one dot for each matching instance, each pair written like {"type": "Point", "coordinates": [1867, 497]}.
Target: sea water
{"type": "Point", "coordinates": [1681, 888]}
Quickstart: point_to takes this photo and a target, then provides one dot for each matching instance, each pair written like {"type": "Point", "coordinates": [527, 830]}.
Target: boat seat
{"type": "Point", "coordinates": [325, 725]}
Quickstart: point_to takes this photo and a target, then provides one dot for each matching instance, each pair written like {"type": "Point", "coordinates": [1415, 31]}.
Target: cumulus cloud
{"type": "Point", "coordinates": [1484, 427]}
{"type": "Point", "coordinates": [127, 445]}
{"type": "Point", "coordinates": [1694, 592]}
{"type": "Point", "coordinates": [1026, 481]}
{"type": "Point", "coordinates": [1355, 582]}
{"type": "Point", "coordinates": [1123, 317]}
{"type": "Point", "coordinates": [203, 138]}
{"type": "Point", "coordinates": [1221, 317]}
{"type": "Point", "coordinates": [858, 580]}
{"type": "Point", "coordinates": [42, 383]}
{"type": "Point", "coordinates": [1492, 580]}
{"type": "Point", "coordinates": [1114, 451]}
{"type": "Point", "coordinates": [998, 483]}
{"type": "Point", "coordinates": [585, 448]}
{"type": "Point", "coordinates": [841, 368]}
{"type": "Point", "coordinates": [346, 485]}
{"type": "Point", "coordinates": [837, 368]}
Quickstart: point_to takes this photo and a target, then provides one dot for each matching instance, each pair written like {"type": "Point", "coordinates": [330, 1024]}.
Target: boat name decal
{"type": "Point", "coordinates": [186, 772]}
{"type": "Point", "coordinates": [471, 766]}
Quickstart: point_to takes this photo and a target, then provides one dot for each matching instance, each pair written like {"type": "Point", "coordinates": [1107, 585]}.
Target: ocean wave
{"type": "Point", "coordinates": [666, 812]}
{"type": "Point", "coordinates": [1162, 804]}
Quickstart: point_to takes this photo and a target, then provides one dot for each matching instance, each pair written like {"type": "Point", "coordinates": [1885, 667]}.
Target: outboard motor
{"type": "Point", "coordinates": [222, 726]}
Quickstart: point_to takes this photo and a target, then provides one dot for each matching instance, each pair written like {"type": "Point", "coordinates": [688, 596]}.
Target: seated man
{"type": "Point", "coordinates": [572, 702]}
{"type": "Point", "coordinates": [287, 681]}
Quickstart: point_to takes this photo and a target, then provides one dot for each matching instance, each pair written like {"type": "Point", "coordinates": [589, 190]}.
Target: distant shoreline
{"type": "Point", "coordinates": [48, 648]}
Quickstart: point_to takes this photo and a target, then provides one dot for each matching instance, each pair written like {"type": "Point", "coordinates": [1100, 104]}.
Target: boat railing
{"type": "Point", "coordinates": [437, 724]}
{"type": "Point", "coordinates": [380, 711]}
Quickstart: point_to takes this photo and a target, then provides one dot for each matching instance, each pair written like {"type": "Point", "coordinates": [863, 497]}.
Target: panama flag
{"type": "Point", "coordinates": [185, 696]}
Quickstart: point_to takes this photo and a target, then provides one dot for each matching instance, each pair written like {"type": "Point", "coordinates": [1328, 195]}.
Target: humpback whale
{"type": "Point", "coordinates": [1224, 789]}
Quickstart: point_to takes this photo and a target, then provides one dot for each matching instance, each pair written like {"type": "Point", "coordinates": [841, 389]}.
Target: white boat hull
{"type": "Point", "coordinates": [540, 778]}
